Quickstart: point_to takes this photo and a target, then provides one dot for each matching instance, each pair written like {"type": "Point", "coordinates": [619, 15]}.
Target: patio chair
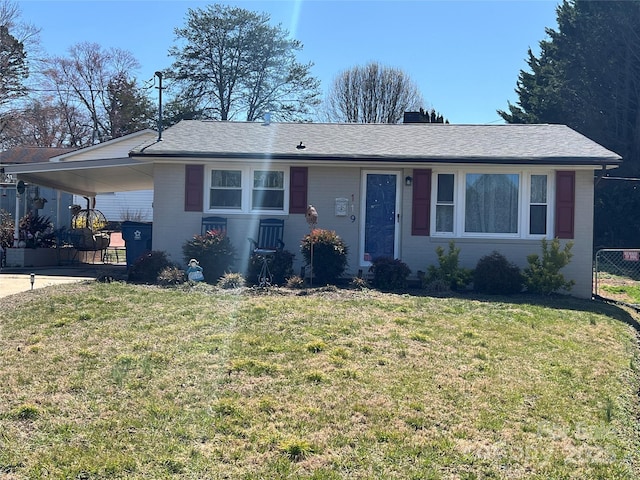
{"type": "Point", "coordinates": [270, 233]}
{"type": "Point", "coordinates": [213, 223]}
{"type": "Point", "coordinates": [85, 240]}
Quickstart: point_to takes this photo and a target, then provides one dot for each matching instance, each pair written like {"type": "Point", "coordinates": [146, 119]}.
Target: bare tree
{"type": "Point", "coordinates": [25, 33]}
{"type": "Point", "coordinates": [372, 94]}
{"type": "Point", "coordinates": [88, 78]}
{"type": "Point", "coordinates": [44, 123]}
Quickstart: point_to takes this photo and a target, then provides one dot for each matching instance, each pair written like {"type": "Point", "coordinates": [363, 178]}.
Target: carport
{"type": "Point", "coordinates": [104, 168]}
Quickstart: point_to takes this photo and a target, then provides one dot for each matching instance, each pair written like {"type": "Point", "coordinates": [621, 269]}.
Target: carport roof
{"type": "Point", "coordinates": [102, 168]}
{"type": "Point", "coordinates": [88, 177]}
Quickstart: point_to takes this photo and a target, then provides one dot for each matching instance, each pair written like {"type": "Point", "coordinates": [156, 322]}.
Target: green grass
{"type": "Point", "coordinates": [630, 293]}
{"type": "Point", "coordinates": [122, 381]}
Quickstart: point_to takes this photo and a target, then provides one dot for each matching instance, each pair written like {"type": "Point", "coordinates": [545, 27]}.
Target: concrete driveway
{"type": "Point", "coordinates": [14, 280]}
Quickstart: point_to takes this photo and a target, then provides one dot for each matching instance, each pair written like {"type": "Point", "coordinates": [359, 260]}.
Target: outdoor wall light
{"type": "Point", "coordinates": [408, 181]}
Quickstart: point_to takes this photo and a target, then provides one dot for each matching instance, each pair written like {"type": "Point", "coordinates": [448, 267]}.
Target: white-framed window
{"type": "Point", "coordinates": [492, 203]}
{"type": "Point", "coordinates": [226, 190]}
{"type": "Point", "coordinates": [445, 202]}
{"type": "Point", "coordinates": [247, 189]}
{"type": "Point", "coordinates": [538, 205]}
{"type": "Point", "coordinates": [268, 190]}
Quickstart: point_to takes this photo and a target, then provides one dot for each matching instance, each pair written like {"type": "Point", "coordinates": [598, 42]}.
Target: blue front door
{"type": "Point", "coordinates": [380, 216]}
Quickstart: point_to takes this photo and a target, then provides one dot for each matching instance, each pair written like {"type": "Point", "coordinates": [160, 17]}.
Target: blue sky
{"type": "Point", "coordinates": [464, 55]}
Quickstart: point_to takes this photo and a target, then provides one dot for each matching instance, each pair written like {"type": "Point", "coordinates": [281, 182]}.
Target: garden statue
{"type": "Point", "coordinates": [194, 272]}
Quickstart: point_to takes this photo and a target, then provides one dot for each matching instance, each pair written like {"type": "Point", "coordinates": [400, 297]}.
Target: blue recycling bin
{"type": "Point", "coordinates": [137, 239]}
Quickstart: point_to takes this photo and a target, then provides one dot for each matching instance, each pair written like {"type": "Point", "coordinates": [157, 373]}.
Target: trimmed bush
{"type": "Point", "coordinates": [280, 266]}
{"type": "Point", "coordinates": [495, 275]}
{"type": "Point", "coordinates": [148, 266]}
{"type": "Point", "coordinates": [214, 253]}
{"type": "Point", "coordinates": [329, 255]}
{"type": "Point", "coordinates": [389, 273]}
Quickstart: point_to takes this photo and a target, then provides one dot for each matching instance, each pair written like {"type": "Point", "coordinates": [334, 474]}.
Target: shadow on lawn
{"type": "Point", "coordinates": [618, 310]}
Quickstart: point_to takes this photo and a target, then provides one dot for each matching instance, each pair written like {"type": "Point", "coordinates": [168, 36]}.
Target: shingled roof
{"type": "Point", "coordinates": [20, 155]}
{"type": "Point", "coordinates": [537, 144]}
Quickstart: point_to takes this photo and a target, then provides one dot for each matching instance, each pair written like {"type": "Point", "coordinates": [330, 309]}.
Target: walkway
{"type": "Point", "coordinates": [17, 280]}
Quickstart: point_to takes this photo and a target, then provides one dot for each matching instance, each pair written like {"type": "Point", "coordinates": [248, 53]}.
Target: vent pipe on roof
{"type": "Point", "coordinates": [267, 118]}
{"type": "Point", "coordinates": [159, 87]}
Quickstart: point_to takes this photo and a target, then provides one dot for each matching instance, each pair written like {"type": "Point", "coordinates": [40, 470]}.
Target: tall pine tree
{"type": "Point", "coordinates": [587, 76]}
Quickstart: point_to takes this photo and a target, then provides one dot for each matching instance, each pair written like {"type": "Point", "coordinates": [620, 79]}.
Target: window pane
{"type": "Point", "coordinates": [538, 189]}
{"type": "Point", "coordinates": [538, 219]}
{"type": "Point", "coordinates": [491, 203]}
{"type": "Point", "coordinates": [226, 178]}
{"type": "Point", "coordinates": [265, 179]}
{"type": "Point", "coordinates": [267, 200]}
{"type": "Point", "coordinates": [445, 187]}
{"type": "Point", "coordinates": [444, 218]}
{"type": "Point", "coordinates": [225, 198]}
{"type": "Point", "coordinates": [226, 189]}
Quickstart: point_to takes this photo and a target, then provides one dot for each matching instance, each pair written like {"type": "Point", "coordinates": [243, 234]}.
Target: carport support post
{"type": "Point", "coordinates": [16, 223]}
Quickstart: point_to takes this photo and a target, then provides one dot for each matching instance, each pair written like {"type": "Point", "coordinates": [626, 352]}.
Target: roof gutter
{"type": "Point", "coordinates": [604, 163]}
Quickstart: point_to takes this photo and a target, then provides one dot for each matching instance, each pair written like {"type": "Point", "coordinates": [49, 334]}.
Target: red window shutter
{"type": "Point", "coordinates": [193, 188]}
{"type": "Point", "coordinates": [421, 206]}
{"type": "Point", "coordinates": [298, 190]}
{"type": "Point", "coordinates": [565, 203]}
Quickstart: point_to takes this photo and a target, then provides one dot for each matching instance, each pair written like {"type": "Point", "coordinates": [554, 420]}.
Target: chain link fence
{"type": "Point", "coordinates": [616, 272]}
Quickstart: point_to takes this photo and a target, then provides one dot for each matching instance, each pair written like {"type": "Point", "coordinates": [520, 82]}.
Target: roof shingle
{"type": "Point", "coordinates": [408, 142]}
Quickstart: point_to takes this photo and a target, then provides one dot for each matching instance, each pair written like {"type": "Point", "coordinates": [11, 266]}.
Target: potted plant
{"type": "Point", "coordinates": [38, 202]}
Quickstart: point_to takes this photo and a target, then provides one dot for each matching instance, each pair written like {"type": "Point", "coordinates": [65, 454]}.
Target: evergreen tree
{"type": "Point", "coordinates": [587, 76]}
{"type": "Point", "coordinates": [13, 67]}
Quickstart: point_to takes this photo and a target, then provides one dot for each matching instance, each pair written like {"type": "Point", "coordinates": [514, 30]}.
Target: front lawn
{"type": "Point", "coordinates": [124, 381]}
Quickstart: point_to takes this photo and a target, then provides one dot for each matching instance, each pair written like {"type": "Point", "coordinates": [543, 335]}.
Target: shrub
{"type": "Point", "coordinates": [37, 231]}
{"type": "Point", "coordinates": [543, 274]}
{"type": "Point", "coordinates": [6, 229]}
{"type": "Point", "coordinates": [448, 271]}
{"type": "Point", "coordinates": [170, 276]}
{"type": "Point", "coordinates": [495, 275]}
{"type": "Point", "coordinates": [295, 282]}
{"type": "Point", "coordinates": [359, 283]}
{"type": "Point", "coordinates": [231, 280]}
{"type": "Point", "coordinates": [280, 266]}
{"type": "Point", "coordinates": [329, 255]}
{"type": "Point", "coordinates": [214, 252]}
{"type": "Point", "coordinates": [389, 273]}
{"type": "Point", "coordinates": [148, 266]}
